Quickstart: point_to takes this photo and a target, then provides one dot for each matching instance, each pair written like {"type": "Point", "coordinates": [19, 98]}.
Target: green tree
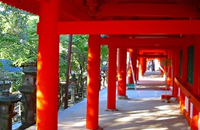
{"type": "Point", "coordinates": [18, 36]}
{"type": "Point", "coordinates": [19, 43]}
{"type": "Point", "coordinates": [78, 56]}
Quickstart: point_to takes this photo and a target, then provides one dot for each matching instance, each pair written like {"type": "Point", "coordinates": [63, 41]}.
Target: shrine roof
{"type": "Point", "coordinates": [102, 10]}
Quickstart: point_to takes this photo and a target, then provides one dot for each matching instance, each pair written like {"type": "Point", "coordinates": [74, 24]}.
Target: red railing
{"type": "Point", "coordinates": [188, 93]}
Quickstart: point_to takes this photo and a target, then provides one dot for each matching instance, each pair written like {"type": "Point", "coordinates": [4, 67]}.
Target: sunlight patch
{"type": "Point", "coordinates": [165, 118]}
{"type": "Point", "coordinates": [2, 9]}
{"type": "Point", "coordinates": [156, 129]}
{"type": "Point", "coordinates": [80, 123]}
{"type": "Point", "coordinates": [124, 119]}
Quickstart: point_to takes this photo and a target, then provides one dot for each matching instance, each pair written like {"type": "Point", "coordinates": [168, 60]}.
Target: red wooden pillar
{"type": "Point", "coordinates": [169, 69]}
{"type": "Point", "coordinates": [172, 68]}
{"type": "Point", "coordinates": [182, 101]}
{"type": "Point", "coordinates": [140, 66]}
{"type": "Point", "coordinates": [142, 62]}
{"type": "Point", "coordinates": [122, 73]}
{"type": "Point", "coordinates": [195, 119]}
{"type": "Point", "coordinates": [111, 98]}
{"type": "Point", "coordinates": [48, 67]}
{"type": "Point", "coordinates": [144, 66]}
{"type": "Point", "coordinates": [176, 69]}
{"type": "Point", "coordinates": [166, 69]}
{"type": "Point", "coordinates": [133, 55]}
{"type": "Point", "coordinates": [137, 65]}
{"type": "Point", "coordinates": [93, 86]}
{"type": "Point", "coordinates": [196, 82]}
{"type": "Point", "coordinates": [130, 73]}
{"type": "Point", "coordinates": [184, 77]}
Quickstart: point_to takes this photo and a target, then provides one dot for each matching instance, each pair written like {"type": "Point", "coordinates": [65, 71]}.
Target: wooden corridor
{"type": "Point", "coordinates": [142, 111]}
{"type": "Point", "coordinates": [147, 29]}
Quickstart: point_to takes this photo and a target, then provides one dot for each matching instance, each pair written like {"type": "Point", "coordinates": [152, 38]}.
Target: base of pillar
{"type": "Point", "coordinates": [122, 97]}
{"type": "Point", "coordinates": [100, 128]}
{"type": "Point", "coordinates": [111, 110]}
{"type": "Point", "coordinates": [167, 98]}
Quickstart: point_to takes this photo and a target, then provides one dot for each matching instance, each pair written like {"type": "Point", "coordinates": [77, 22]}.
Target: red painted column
{"type": "Point", "coordinates": [184, 77]}
{"type": "Point", "coordinates": [165, 68]}
{"type": "Point", "coordinates": [172, 68]}
{"type": "Point", "coordinates": [142, 62]}
{"type": "Point", "coordinates": [130, 74]}
{"type": "Point", "coordinates": [182, 101]}
{"type": "Point", "coordinates": [137, 65]}
{"type": "Point", "coordinates": [144, 66]}
{"type": "Point", "coordinates": [196, 83]}
{"type": "Point", "coordinates": [169, 69]}
{"type": "Point", "coordinates": [133, 55]}
{"type": "Point", "coordinates": [48, 67]}
{"type": "Point", "coordinates": [195, 119]}
{"type": "Point", "coordinates": [176, 69]}
{"type": "Point", "coordinates": [140, 66]}
{"type": "Point", "coordinates": [111, 98]}
{"type": "Point", "coordinates": [122, 73]}
{"type": "Point", "coordinates": [93, 86]}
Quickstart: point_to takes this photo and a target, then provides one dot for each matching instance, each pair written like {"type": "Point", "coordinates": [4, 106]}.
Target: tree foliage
{"type": "Point", "coordinates": [18, 35]}
{"type": "Point", "coordinates": [18, 38]}
{"type": "Point", "coordinates": [19, 43]}
{"type": "Point", "coordinates": [78, 56]}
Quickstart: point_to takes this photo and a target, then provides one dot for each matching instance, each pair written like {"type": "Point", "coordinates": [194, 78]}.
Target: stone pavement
{"type": "Point", "coordinates": [142, 111]}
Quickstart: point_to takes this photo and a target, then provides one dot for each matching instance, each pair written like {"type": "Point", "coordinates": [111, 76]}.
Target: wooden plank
{"type": "Point", "coordinates": [148, 41]}
{"type": "Point", "coordinates": [149, 10]}
{"type": "Point", "coordinates": [142, 27]}
{"type": "Point", "coordinates": [152, 56]}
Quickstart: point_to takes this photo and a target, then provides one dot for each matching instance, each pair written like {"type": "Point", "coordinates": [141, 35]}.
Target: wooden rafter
{"type": "Point", "coordinates": [142, 27]}
{"type": "Point", "coordinates": [147, 41]}
{"type": "Point", "coordinates": [149, 10]}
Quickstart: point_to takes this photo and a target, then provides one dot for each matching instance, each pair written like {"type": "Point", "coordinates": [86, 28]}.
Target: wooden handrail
{"type": "Point", "coordinates": [188, 93]}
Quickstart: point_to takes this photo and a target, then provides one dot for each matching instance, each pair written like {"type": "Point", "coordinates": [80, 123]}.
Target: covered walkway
{"type": "Point", "coordinates": [146, 29]}
{"type": "Point", "coordinates": [142, 111]}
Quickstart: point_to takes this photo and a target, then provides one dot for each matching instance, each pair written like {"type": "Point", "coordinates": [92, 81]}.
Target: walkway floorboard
{"type": "Point", "coordinates": [143, 111]}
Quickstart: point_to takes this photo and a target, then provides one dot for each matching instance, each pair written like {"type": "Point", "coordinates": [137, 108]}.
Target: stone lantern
{"type": "Point", "coordinates": [73, 89]}
{"type": "Point", "coordinates": [7, 110]}
{"type": "Point", "coordinates": [28, 99]}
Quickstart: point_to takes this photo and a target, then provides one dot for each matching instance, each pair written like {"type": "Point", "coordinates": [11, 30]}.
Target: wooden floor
{"type": "Point", "coordinates": [142, 111]}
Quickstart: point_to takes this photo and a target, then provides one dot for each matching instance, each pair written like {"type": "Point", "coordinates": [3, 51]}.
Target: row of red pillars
{"type": "Point", "coordinates": [93, 86]}
{"type": "Point", "coordinates": [192, 114]}
{"type": "Point", "coordinates": [48, 72]}
{"type": "Point", "coordinates": [47, 81]}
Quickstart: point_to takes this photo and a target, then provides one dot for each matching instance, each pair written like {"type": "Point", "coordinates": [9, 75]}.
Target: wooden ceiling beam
{"type": "Point", "coordinates": [158, 43]}
{"type": "Point", "coordinates": [152, 56]}
{"type": "Point", "coordinates": [138, 27]}
{"type": "Point", "coordinates": [146, 47]}
{"type": "Point", "coordinates": [149, 10]}
{"type": "Point", "coordinates": [148, 41]}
